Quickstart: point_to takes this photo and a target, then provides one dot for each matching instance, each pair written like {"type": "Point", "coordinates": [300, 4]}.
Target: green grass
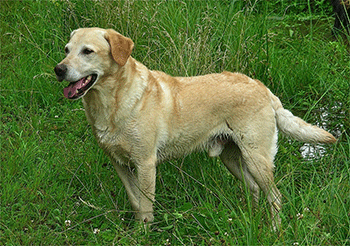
{"type": "Point", "coordinates": [52, 171]}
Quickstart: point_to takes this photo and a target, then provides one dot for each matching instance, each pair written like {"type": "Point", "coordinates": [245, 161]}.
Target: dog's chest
{"type": "Point", "coordinates": [115, 144]}
{"type": "Point", "coordinates": [115, 137]}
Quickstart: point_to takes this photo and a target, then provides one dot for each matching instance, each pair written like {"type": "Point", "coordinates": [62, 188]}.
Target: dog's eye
{"type": "Point", "coordinates": [66, 50]}
{"type": "Point", "coordinates": [87, 51]}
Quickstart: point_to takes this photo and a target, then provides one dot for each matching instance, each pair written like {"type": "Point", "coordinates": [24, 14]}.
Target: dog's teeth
{"type": "Point", "coordinates": [76, 92]}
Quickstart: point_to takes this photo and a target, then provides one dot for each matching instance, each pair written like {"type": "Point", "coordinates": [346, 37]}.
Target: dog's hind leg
{"type": "Point", "coordinates": [258, 150]}
{"type": "Point", "coordinates": [256, 144]}
{"type": "Point", "coordinates": [231, 156]}
{"type": "Point", "coordinates": [262, 171]}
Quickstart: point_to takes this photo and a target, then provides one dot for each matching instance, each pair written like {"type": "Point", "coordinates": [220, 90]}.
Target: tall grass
{"type": "Point", "coordinates": [57, 186]}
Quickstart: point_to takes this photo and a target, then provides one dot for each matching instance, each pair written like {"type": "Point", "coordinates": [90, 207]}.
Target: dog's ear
{"type": "Point", "coordinates": [121, 47]}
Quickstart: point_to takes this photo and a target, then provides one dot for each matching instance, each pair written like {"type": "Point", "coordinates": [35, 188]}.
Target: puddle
{"type": "Point", "coordinates": [312, 151]}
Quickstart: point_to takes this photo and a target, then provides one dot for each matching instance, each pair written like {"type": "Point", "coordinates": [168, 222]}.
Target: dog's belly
{"type": "Point", "coordinates": [172, 151]}
{"type": "Point", "coordinates": [212, 141]}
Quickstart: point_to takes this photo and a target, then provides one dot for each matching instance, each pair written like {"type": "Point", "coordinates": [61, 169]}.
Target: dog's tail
{"type": "Point", "coordinates": [297, 128]}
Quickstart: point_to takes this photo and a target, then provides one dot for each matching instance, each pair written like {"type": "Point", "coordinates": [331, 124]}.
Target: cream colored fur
{"type": "Point", "coordinates": [141, 117]}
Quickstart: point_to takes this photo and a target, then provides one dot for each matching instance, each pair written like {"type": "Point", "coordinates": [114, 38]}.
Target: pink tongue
{"type": "Point", "coordinates": [71, 90]}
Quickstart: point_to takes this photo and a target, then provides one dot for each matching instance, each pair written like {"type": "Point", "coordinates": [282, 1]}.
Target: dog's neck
{"type": "Point", "coordinates": [113, 98]}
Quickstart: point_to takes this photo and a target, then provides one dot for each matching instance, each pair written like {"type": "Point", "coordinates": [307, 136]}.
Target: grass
{"type": "Point", "coordinates": [56, 185]}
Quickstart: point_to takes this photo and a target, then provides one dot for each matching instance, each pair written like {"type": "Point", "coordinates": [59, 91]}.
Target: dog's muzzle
{"type": "Point", "coordinates": [75, 89]}
{"type": "Point", "coordinates": [60, 71]}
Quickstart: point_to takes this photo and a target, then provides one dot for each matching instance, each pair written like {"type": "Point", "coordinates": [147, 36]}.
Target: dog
{"type": "Point", "coordinates": [341, 8]}
{"type": "Point", "coordinates": [142, 117]}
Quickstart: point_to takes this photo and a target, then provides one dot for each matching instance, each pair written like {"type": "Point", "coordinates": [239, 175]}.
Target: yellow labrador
{"type": "Point", "coordinates": [141, 117]}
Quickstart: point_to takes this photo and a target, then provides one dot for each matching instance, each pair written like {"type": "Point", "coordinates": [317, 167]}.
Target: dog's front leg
{"type": "Point", "coordinates": [146, 174]}
{"type": "Point", "coordinates": [130, 181]}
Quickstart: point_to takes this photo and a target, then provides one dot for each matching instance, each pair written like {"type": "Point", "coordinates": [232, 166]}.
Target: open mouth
{"type": "Point", "coordinates": [78, 88]}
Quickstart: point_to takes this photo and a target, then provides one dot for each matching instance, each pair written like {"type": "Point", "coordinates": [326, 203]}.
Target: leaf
{"type": "Point", "coordinates": [177, 215]}
{"type": "Point", "coordinates": [167, 227]}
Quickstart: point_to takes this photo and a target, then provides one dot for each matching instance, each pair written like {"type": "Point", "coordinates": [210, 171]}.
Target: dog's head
{"type": "Point", "coordinates": [91, 54]}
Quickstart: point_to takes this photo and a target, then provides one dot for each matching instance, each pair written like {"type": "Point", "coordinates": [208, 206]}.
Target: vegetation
{"type": "Point", "coordinates": [57, 186]}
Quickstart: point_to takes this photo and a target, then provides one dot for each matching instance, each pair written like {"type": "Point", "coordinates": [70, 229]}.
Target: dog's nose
{"type": "Point", "coordinates": [60, 71]}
